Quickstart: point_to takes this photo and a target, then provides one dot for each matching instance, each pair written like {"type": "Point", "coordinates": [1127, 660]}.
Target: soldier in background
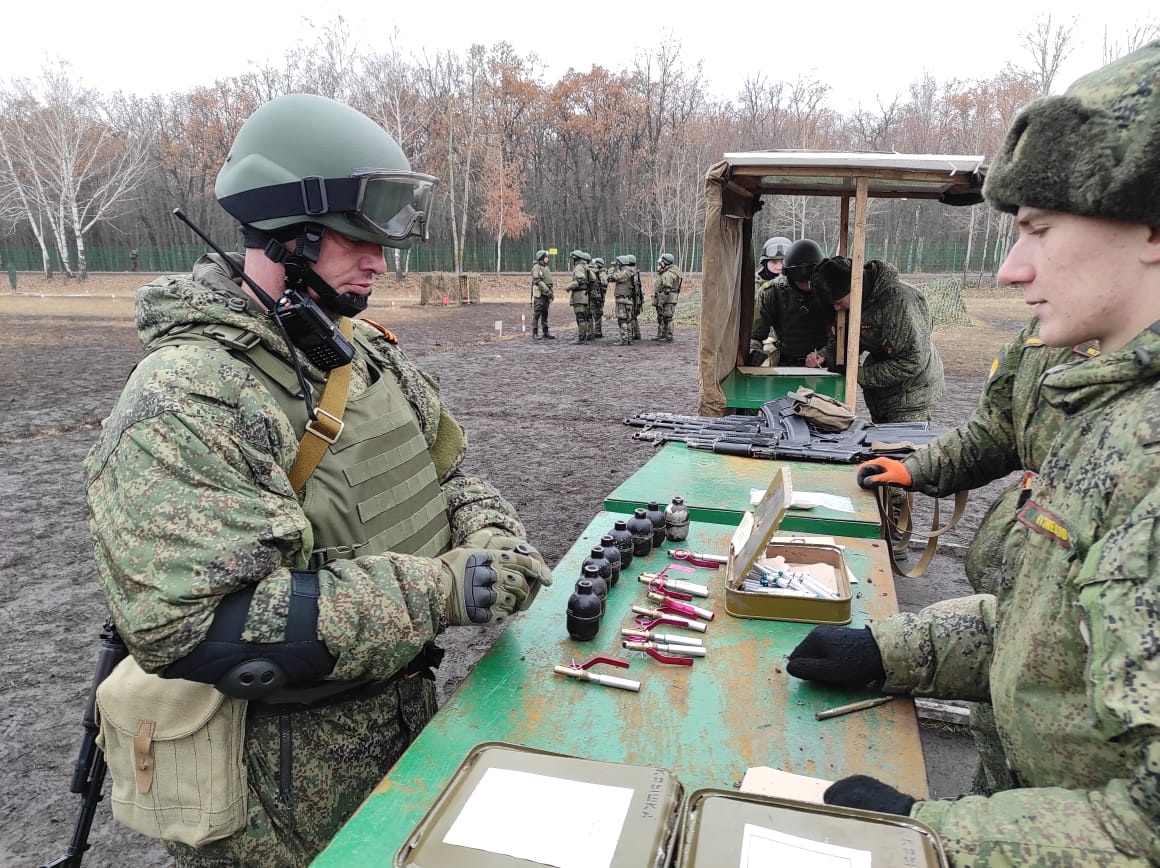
{"type": "Point", "coordinates": [624, 298]}
{"type": "Point", "coordinates": [787, 308]}
{"type": "Point", "coordinates": [637, 296]}
{"type": "Point", "coordinates": [596, 294]}
{"type": "Point", "coordinates": [1066, 650]}
{"type": "Point", "coordinates": [666, 292]}
{"type": "Point", "coordinates": [772, 255]}
{"type": "Point", "coordinates": [542, 295]}
{"type": "Point", "coordinates": [579, 289]}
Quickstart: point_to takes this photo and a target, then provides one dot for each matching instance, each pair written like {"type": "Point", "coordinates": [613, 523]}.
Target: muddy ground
{"type": "Point", "coordinates": [544, 421]}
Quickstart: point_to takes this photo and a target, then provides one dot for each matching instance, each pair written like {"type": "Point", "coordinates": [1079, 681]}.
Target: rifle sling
{"type": "Point", "coordinates": [325, 428]}
{"type": "Point", "coordinates": [903, 527]}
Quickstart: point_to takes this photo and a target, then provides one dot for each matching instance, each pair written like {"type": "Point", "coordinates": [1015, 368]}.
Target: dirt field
{"type": "Point", "coordinates": [544, 421]}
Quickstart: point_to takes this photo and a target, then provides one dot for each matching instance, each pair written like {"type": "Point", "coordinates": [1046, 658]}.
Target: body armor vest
{"type": "Point", "coordinates": [376, 489]}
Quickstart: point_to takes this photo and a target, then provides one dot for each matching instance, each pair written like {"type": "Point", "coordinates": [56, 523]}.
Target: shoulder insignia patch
{"type": "Point", "coordinates": [994, 368]}
{"type": "Point", "coordinates": [386, 332]}
{"type": "Point", "coordinates": [1088, 349]}
{"type": "Point", "coordinates": [1033, 341]}
{"type": "Point", "coordinates": [1043, 522]}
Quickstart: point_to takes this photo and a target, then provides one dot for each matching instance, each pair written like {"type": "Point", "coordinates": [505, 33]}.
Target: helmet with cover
{"type": "Point", "coordinates": [631, 260]}
{"type": "Point", "coordinates": [801, 259]}
{"type": "Point", "coordinates": [541, 255]}
{"type": "Point", "coordinates": [580, 256]}
{"type": "Point", "coordinates": [597, 263]}
{"type": "Point", "coordinates": [623, 261]}
{"type": "Point", "coordinates": [302, 158]}
{"type": "Point", "coordinates": [667, 259]}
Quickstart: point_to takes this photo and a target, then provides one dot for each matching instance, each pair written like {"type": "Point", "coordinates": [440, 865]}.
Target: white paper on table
{"type": "Point", "coordinates": [765, 848]}
{"type": "Point", "coordinates": [563, 823]}
{"type": "Point", "coordinates": [836, 502]}
{"type": "Point", "coordinates": [765, 781]}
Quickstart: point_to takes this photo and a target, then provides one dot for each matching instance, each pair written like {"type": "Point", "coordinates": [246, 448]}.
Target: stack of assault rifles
{"type": "Point", "coordinates": [777, 432]}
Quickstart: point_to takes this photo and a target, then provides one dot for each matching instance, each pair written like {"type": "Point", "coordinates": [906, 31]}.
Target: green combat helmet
{"type": "Point", "coordinates": [598, 263]}
{"type": "Point", "coordinates": [580, 255]}
{"type": "Point", "coordinates": [302, 158]}
{"type": "Point", "coordinates": [623, 261]}
{"type": "Point", "coordinates": [631, 259]}
{"type": "Point", "coordinates": [666, 260]}
{"type": "Point", "coordinates": [541, 254]}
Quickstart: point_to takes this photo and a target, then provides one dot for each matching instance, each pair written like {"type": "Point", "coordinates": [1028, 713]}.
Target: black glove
{"type": "Point", "coordinates": [756, 358]}
{"type": "Point", "coordinates": [836, 369]}
{"type": "Point", "coordinates": [868, 794]}
{"type": "Point", "coordinates": [841, 656]}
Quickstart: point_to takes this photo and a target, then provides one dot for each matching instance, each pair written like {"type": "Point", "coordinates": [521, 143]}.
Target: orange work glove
{"type": "Point", "coordinates": [883, 471]}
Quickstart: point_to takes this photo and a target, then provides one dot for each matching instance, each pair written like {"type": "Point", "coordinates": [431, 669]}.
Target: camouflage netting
{"type": "Point", "coordinates": [945, 298]}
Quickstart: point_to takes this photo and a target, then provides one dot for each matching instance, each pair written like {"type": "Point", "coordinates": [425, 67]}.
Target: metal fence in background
{"type": "Point", "coordinates": [477, 258]}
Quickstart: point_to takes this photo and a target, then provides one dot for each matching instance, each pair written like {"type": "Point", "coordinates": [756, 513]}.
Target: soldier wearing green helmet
{"type": "Point", "coordinates": [282, 541]}
{"type": "Point", "coordinates": [623, 280]}
{"type": "Point", "coordinates": [580, 289]}
{"type": "Point", "coordinates": [542, 296]}
{"type": "Point", "coordinates": [666, 291]}
{"type": "Point", "coordinates": [1066, 648]}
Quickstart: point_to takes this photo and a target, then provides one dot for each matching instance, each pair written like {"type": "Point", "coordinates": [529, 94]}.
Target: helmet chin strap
{"type": "Point", "coordinates": [300, 275]}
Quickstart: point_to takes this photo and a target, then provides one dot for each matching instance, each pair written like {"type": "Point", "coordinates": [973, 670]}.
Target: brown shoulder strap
{"type": "Point", "coordinates": [327, 424]}
{"type": "Point", "coordinates": [904, 527]}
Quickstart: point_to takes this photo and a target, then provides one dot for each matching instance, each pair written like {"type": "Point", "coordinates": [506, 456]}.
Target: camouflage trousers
{"type": "Point", "coordinates": [583, 321]}
{"type": "Point", "coordinates": [626, 319]}
{"type": "Point", "coordinates": [540, 314]}
{"type": "Point", "coordinates": [596, 316]}
{"type": "Point", "coordinates": [308, 771]}
{"type": "Point", "coordinates": [665, 314]}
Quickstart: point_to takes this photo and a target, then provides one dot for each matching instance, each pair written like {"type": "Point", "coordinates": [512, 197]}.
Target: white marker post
{"type": "Point", "coordinates": [499, 327]}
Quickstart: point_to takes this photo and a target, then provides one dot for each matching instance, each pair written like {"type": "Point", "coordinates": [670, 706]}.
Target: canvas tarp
{"type": "Point", "coordinates": [727, 285]}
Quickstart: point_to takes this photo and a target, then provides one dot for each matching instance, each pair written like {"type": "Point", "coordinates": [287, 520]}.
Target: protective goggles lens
{"type": "Point", "coordinates": [396, 205]}
{"type": "Point", "coordinates": [800, 272]}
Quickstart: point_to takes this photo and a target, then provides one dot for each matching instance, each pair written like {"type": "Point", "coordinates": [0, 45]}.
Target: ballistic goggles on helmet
{"type": "Point", "coordinates": [803, 272]}
{"type": "Point", "coordinates": [393, 205]}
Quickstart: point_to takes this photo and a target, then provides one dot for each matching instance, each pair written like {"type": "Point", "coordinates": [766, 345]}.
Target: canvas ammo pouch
{"type": "Point", "coordinates": [174, 750]}
{"type": "Point", "coordinates": [821, 411]}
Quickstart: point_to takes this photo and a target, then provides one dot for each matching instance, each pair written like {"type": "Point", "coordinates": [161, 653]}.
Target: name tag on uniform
{"type": "Point", "coordinates": [1043, 522]}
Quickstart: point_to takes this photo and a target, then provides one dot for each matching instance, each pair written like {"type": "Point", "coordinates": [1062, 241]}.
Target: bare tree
{"type": "Point", "coordinates": [1048, 46]}
{"type": "Point", "coordinates": [1136, 36]}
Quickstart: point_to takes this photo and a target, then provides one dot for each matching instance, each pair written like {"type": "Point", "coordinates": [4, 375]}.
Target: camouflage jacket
{"type": "Point", "coordinates": [578, 285]}
{"type": "Point", "coordinates": [541, 282]}
{"type": "Point", "coordinates": [190, 499]}
{"type": "Point", "coordinates": [1067, 650]}
{"type": "Point", "coordinates": [621, 280]}
{"type": "Point", "coordinates": [800, 321]}
{"type": "Point", "coordinates": [902, 376]}
{"type": "Point", "coordinates": [597, 286]}
{"type": "Point", "coordinates": [667, 286]}
{"type": "Point", "coordinates": [1009, 430]}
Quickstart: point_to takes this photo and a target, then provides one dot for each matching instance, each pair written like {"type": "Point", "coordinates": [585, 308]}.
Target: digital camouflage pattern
{"type": "Point", "coordinates": [799, 320]}
{"type": "Point", "coordinates": [598, 289]}
{"type": "Point", "coordinates": [903, 375]}
{"type": "Point", "coordinates": [1002, 435]}
{"type": "Point", "coordinates": [1067, 649]}
{"type": "Point", "coordinates": [190, 500]}
{"type": "Point", "coordinates": [999, 437]}
{"type": "Point", "coordinates": [579, 289]}
{"type": "Point", "coordinates": [340, 752]}
{"type": "Point", "coordinates": [624, 297]}
{"type": "Point", "coordinates": [666, 292]}
{"type": "Point", "coordinates": [542, 295]}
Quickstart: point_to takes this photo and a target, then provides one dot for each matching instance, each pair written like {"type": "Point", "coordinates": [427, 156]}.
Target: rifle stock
{"type": "Point", "coordinates": [90, 769]}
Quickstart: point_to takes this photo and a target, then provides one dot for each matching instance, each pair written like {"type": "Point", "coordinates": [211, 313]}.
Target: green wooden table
{"type": "Point", "coordinates": [733, 709]}
{"type": "Point", "coordinates": [716, 489]}
{"type": "Point", "coordinates": [749, 388]}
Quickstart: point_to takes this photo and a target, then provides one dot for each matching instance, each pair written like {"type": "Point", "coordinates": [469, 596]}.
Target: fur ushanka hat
{"type": "Point", "coordinates": [1095, 151]}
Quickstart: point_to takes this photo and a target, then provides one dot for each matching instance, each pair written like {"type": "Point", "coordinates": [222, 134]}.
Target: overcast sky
{"type": "Point", "coordinates": [151, 47]}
